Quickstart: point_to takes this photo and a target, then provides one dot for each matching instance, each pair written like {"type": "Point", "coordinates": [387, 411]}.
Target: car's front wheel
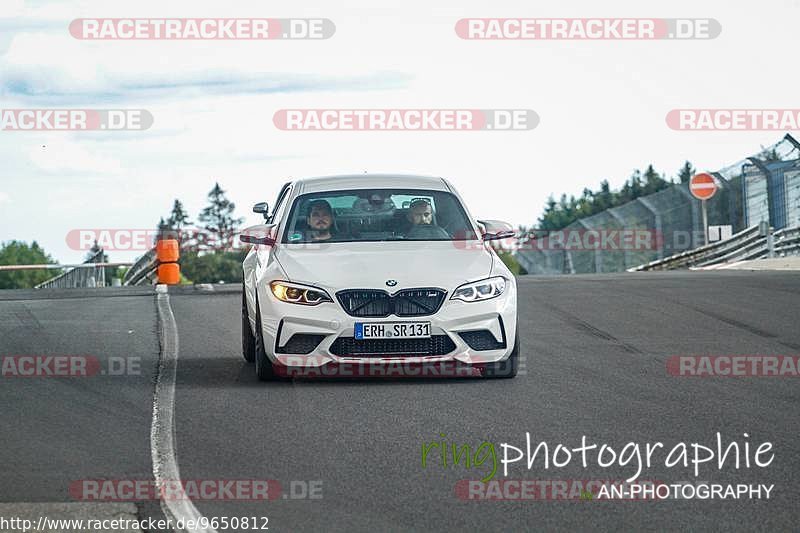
{"type": "Point", "coordinates": [505, 369]}
{"type": "Point", "coordinates": [248, 340]}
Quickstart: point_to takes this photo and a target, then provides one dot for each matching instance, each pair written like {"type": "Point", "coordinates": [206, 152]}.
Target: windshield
{"type": "Point", "coordinates": [377, 215]}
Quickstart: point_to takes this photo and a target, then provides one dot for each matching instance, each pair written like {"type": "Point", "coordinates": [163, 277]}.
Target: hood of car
{"type": "Point", "coordinates": [390, 266]}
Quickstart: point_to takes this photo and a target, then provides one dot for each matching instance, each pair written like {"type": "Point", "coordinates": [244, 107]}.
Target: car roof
{"type": "Point", "coordinates": [369, 181]}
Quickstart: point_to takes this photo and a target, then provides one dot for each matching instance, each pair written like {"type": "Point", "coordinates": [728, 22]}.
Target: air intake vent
{"type": "Point", "coordinates": [481, 340]}
{"type": "Point", "coordinates": [374, 303]}
{"type": "Point", "coordinates": [435, 345]}
{"type": "Point", "coordinates": [301, 343]}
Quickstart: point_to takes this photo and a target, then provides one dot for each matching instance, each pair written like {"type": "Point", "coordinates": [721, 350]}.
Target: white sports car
{"type": "Point", "coordinates": [373, 270]}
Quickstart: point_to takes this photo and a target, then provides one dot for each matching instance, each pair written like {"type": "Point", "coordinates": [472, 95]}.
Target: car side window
{"type": "Point", "coordinates": [280, 203]}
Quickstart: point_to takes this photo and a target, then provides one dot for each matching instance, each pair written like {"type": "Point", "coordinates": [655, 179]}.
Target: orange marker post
{"type": "Point", "coordinates": [167, 253]}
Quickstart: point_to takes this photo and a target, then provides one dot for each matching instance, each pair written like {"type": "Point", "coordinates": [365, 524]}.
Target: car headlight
{"type": "Point", "coordinates": [294, 293]}
{"type": "Point", "coordinates": [478, 291]}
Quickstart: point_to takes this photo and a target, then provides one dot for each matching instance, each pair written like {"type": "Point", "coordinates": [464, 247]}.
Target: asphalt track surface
{"type": "Point", "coordinates": [595, 351]}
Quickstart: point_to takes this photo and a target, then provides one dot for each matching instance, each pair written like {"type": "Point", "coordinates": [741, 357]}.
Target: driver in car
{"type": "Point", "coordinates": [420, 212]}
{"type": "Point", "coordinates": [422, 226]}
{"type": "Point", "coordinates": [319, 221]}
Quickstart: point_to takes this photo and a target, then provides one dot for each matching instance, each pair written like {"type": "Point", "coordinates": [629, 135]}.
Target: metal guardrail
{"type": "Point", "coordinates": [703, 253]}
{"type": "Point", "coordinates": [143, 270]}
{"type": "Point", "coordinates": [92, 272]}
{"type": "Point", "coordinates": [745, 245]}
{"type": "Point", "coordinates": [787, 241]}
{"type": "Point", "coordinates": [88, 274]}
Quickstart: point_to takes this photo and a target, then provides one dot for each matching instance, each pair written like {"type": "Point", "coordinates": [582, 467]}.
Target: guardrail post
{"type": "Point", "coordinates": [792, 141]}
{"type": "Point", "coordinates": [729, 192]}
{"type": "Point", "coordinates": [770, 243]}
{"type": "Point", "coordinates": [760, 165]}
{"type": "Point", "coordinates": [657, 223]}
{"type": "Point", "coordinates": [693, 203]}
{"type": "Point", "coordinates": [625, 251]}
{"type": "Point", "coordinates": [568, 264]}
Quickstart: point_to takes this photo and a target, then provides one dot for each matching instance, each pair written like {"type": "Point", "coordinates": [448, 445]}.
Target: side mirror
{"type": "Point", "coordinates": [496, 230]}
{"type": "Point", "coordinates": [261, 234]}
{"type": "Point", "coordinates": [263, 208]}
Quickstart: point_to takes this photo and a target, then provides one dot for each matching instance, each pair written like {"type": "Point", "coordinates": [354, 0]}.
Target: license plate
{"type": "Point", "coordinates": [392, 330]}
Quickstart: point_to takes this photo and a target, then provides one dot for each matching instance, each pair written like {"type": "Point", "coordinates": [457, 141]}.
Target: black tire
{"type": "Point", "coordinates": [264, 369]}
{"type": "Point", "coordinates": [505, 369]}
{"type": "Point", "coordinates": [248, 340]}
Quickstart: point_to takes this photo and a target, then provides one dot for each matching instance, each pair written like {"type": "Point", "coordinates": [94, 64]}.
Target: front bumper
{"type": "Point", "coordinates": [280, 321]}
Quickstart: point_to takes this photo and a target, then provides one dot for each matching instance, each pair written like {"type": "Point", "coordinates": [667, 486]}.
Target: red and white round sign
{"type": "Point", "coordinates": [702, 186]}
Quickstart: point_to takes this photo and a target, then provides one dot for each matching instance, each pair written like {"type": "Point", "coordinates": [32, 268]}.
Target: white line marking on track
{"type": "Point", "coordinates": [162, 429]}
{"type": "Point", "coordinates": [732, 265]}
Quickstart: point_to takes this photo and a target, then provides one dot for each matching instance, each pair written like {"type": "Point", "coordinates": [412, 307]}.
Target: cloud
{"type": "Point", "coordinates": [12, 9]}
{"type": "Point", "coordinates": [4, 198]}
{"type": "Point", "coordinates": [29, 86]}
{"type": "Point", "coordinates": [73, 72]}
{"type": "Point", "coordinates": [64, 156]}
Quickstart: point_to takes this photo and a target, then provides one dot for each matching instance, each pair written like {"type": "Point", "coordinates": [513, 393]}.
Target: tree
{"type": "Point", "coordinates": [586, 203]}
{"type": "Point", "coordinates": [179, 218]}
{"type": "Point", "coordinates": [547, 220]}
{"type": "Point", "coordinates": [604, 199]}
{"type": "Point", "coordinates": [163, 230]}
{"type": "Point", "coordinates": [636, 185]}
{"type": "Point", "coordinates": [95, 249]}
{"type": "Point", "coordinates": [212, 268]}
{"type": "Point", "coordinates": [686, 172]}
{"type": "Point", "coordinates": [19, 253]}
{"type": "Point", "coordinates": [103, 258]}
{"type": "Point", "coordinates": [558, 215]}
{"type": "Point", "coordinates": [218, 218]}
{"type": "Point", "coordinates": [177, 221]}
{"type": "Point", "coordinates": [769, 155]}
{"type": "Point", "coordinates": [511, 262]}
{"type": "Point", "coordinates": [653, 182]}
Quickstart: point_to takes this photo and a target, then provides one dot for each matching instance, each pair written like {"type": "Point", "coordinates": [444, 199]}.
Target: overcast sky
{"type": "Point", "coordinates": [602, 105]}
